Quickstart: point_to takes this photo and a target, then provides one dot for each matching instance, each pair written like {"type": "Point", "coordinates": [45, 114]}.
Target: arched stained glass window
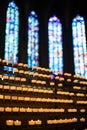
{"type": "Point", "coordinates": [11, 37]}
{"type": "Point", "coordinates": [55, 45]}
{"type": "Point", "coordinates": [79, 46]}
{"type": "Point", "coordinates": [33, 40]}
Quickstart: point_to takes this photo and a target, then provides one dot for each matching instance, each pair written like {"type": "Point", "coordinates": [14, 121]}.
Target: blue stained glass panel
{"type": "Point", "coordinates": [33, 40]}
{"type": "Point", "coordinates": [79, 46]}
{"type": "Point", "coordinates": [55, 45]}
{"type": "Point", "coordinates": [12, 30]}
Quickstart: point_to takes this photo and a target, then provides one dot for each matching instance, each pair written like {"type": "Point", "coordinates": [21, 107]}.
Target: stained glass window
{"type": "Point", "coordinates": [12, 30]}
{"type": "Point", "coordinates": [55, 45]}
{"type": "Point", "coordinates": [33, 40]}
{"type": "Point", "coordinates": [79, 46]}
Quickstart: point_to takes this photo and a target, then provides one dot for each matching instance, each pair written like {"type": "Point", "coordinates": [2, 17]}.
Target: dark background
{"type": "Point", "coordinates": [65, 10]}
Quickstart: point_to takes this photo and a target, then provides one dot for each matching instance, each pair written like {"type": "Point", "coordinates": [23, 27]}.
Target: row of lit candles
{"type": "Point", "coordinates": [27, 89]}
{"type": "Point", "coordinates": [74, 76]}
{"type": "Point", "coordinates": [22, 109]}
{"type": "Point", "coordinates": [41, 69]}
{"type": "Point", "coordinates": [71, 94]}
{"type": "Point", "coordinates": [39, 122]}
{"type": "Point", "coordinates": [76, 81]}
{"type": "Point", "coordinates": [40, 82]}
{"type": "Point", "coordinates": [52, 100]}
{"type": "Point", "coordinates": [78, 77]}
{"type": "Point", "coordinates": [56, 121]}
{"type": "Point", "coordinates": [6, 62]}
{"type": "Point", "coordinates": [8, 97]}
{"type": "Point", "coordinates": [65, 93]}
{"type": "Point", "coordinates": [39, 75]}
{"type": "Point", "coordinates": [81, 102]}
{"type": "Point", "coordinates": [12, 78]}
{"type": "Point", "coordinates": [80, 82]}
{"type": "Point", "coordinates": [7, 87]}
{"type": "Point", "coordinates": [39, 90]}
{"type": "Point", "coordinates": [83, 88]}
{"type": "Point", "coordinates": [34, 81]}
{"type": "Point", "coordinates": [12, 122]}
{"type": "Point", "coordinates": [71, 120]}
{"type": "Point", "coordinates": [59, 78]}
{"type": "Point", "coordinates": [77, 87]}
{"type": "Point", "coordinates": [19, 123]}
{"type": "Point", "coordinates": [22, 72]}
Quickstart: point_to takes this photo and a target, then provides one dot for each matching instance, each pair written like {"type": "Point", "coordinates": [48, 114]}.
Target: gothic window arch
{"type": "Point", "coordinates": [12, 31]}
{"type": "Point", "coordinates": [79, 46]}
{"type": "Point", "coordinates": [55, 45]}
{"type": "Point", "coordinates": [33, 40]}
